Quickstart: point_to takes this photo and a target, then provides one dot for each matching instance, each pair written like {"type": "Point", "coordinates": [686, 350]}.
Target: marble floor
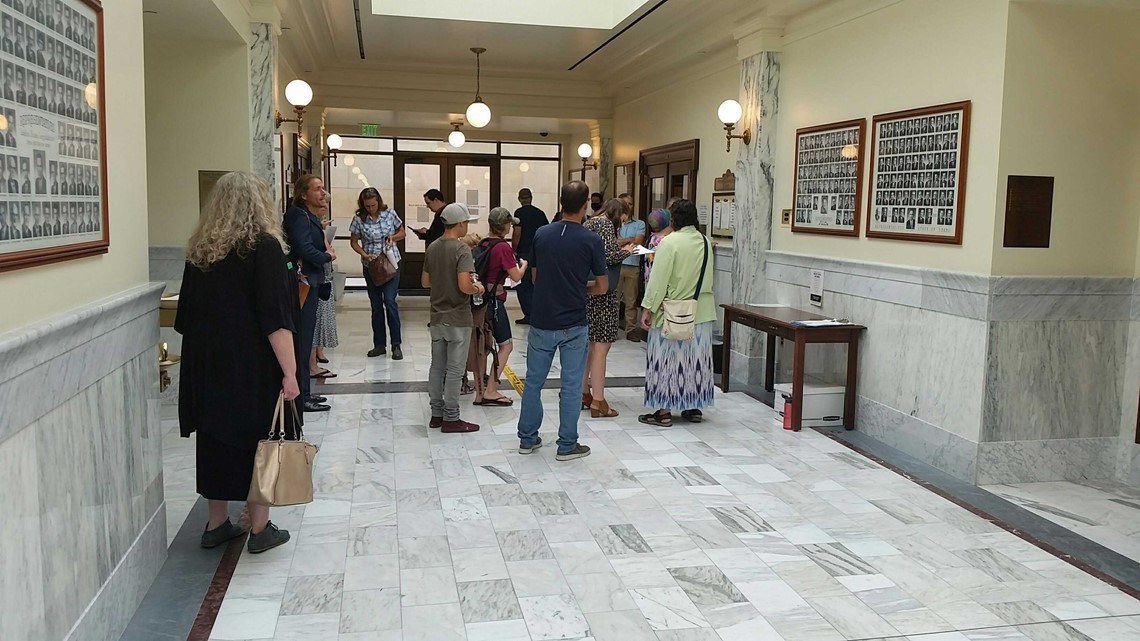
{"type": "Point", "coordinates": [1107, 512]}
{"type": "Point", "coordinates": [729, 530]}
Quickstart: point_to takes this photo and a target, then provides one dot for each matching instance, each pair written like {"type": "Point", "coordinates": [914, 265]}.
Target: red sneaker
{"type": "Point", "coordinates": [458, 427]}
{"type": "Point", "coordinates": [436, 422]}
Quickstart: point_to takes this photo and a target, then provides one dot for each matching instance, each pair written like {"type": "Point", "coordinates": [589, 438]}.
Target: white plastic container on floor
{"type": "Point", "coordinates": [822, 404]}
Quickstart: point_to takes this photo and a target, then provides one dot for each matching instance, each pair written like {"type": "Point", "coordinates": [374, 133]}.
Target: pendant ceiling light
{"type": "Point", "coordinates": [456, 138]}
{"type": "Point", "coordinates": [478, 113]}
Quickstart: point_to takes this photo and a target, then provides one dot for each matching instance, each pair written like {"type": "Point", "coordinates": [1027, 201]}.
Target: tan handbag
{"type": "Point", "coordinates": [681, 315]}
{"type": "Point", "coordinates": [283, 469]}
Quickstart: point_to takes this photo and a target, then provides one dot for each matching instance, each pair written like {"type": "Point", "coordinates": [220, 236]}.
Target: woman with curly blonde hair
{"type": "Point", "coordinates": [237, 314]}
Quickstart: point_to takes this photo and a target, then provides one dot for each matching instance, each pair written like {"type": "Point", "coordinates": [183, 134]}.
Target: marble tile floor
{"type": "Point", "coordinates": [1107, 512]}
{"type": "Point", "coordinates": [354, 329]}
{"type": "Point", "coordinates": [731, 529]}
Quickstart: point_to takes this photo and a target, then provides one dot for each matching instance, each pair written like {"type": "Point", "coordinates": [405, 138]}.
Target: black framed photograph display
{"type": "Point", "coordinates": [828, 186]}
{"type": "Point", "coordinates": [918, 174]}
{"type": "Point", "coordinates": [53, 185]}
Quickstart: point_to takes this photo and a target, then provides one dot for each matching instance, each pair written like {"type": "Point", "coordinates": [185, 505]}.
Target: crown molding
{"type": "Point", "coordinates": [832, 15]}
{"type": "Point", "coordinates": [706, 66]}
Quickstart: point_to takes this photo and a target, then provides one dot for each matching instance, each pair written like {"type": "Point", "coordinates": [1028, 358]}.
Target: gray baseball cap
{"type": "Point", "coordinates": [500, 216]}
{"type": "Point", "coordinates": [456, 213]}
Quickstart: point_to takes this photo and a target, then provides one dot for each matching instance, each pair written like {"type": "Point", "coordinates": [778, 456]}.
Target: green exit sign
{"type": "Point", "coordinates": [367, 129]}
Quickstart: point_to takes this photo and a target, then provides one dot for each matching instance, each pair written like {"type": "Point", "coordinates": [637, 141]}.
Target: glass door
{"type": "Point", "coordinates": [472, 180]}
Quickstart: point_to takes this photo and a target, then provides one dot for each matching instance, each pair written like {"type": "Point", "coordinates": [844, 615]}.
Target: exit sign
{"type": "Point", "coordinates": [369, 129]}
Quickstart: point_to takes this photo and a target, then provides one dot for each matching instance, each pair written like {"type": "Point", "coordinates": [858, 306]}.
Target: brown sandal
{"type": "Point", "coordinates": [660, 418]}
{"type": "Point", "coordinates": [587, 401]}
{"type": "Point", "coordinates": [603, 410]}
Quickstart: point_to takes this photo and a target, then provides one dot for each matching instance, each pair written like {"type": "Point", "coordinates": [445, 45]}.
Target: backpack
{"type": "Point", "coordinates": [482, 256]}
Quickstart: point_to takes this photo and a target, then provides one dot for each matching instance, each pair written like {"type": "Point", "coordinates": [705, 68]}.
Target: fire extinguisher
{"type": "Point", "coordinates": [787, 412]}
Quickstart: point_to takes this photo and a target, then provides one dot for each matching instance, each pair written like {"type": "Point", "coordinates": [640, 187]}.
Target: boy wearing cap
{"type": "Point", "coordinates": [449, 271]}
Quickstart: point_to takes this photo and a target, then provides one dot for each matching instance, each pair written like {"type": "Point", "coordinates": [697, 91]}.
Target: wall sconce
{"type": "Point", "coordinates": [729, 113]}
{"type": "Point", "coordinates": [334, 142]}
{"type": "Point", "coordinates": [456, 138]}
{"type": "Point", "coordinates": [584, 152]}
{"type": "Point", "coordinates": [299, 94]}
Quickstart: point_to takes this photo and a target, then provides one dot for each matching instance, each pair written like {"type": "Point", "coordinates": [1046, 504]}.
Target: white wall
{"type": "Point", "coordinates": [1072, 111]}
{"type": "Point", "coordinates": [680, 112]}
{"type": "Point", "coordinates": [911, 54]}
{"type": "Point", "coordinates": [197, 118]}
{"type": "Point", "coordinates": [37, 292]}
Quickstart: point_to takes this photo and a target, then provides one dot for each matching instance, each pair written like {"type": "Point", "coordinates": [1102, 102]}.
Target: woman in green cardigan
{"type": "Point", "coordinates": [679, 374]}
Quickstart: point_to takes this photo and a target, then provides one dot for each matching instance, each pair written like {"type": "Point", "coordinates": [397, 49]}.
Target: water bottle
{"type": "Point", "coordinates": [476, 298]}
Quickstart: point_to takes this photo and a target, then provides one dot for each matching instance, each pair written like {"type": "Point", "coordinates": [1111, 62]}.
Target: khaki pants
{"type": "Point", "coordinates": [627, 294]}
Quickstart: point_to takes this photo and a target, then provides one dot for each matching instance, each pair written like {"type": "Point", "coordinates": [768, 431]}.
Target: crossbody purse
{"type": "Point", "coordinates": [681, 315]}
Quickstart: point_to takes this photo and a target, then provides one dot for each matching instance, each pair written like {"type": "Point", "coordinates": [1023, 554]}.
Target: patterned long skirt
{"type": "Point", "coordinates": [325, 334]}
{"type": "Point", "coordinates": [679, 374]}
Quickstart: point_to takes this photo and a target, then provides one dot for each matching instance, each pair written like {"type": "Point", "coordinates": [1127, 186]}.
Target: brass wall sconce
{"type": "Point", "coordinates": [729, 113]}
{"type": "Point", "coordinates": [584, 152]}
{"type": "Point", "coordinates": [334, 142]}
{"type": "Point", "coordinates": [299, 94]}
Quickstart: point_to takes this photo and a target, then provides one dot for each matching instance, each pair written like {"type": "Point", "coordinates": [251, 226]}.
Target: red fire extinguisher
{"type": "Point", "coordinates": [787, 412]}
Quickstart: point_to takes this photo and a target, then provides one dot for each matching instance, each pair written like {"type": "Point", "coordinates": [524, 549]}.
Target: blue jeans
{"type": "Point", "coordinates": [383, 300]}
{"type": "Point", "coordinates": [525, 292]}
{"type": "Point", "coordinates": [571, 347]}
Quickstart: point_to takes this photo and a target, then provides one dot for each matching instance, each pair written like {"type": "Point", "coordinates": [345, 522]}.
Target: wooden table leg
{"type": "Point", "coordinates": [726, 351]}
{"type": "Point", "coordinates": [798, 381]}
{"type": "Point", "coordinates": [852, 375]}
{"type": "Point", "coordinates": [770, 365]}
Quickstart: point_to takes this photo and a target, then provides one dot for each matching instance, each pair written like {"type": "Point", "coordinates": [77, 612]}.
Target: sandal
{"type": "Point", "coordinates": [660, 418]}
{"type": "Point", "coordinates": [602, 410]}
{"type": "Point", "coordinates": [502, 401]}
{"type": "Point", "coordinates": [466, 389]}
{"type": "Point", "coordinates": [324, 373]}
{"type": "Point", "coordinates": [693, 416]}
{"type": "Point", "coordinates": [323, 361]}
{"type": "Point", "coordinates": [587, 400]}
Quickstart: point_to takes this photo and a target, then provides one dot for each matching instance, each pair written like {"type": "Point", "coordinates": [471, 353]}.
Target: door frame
{"type": "Point", "coordinates": [686, 152]}
{"type": "Point", "coordinates": [411, 263]}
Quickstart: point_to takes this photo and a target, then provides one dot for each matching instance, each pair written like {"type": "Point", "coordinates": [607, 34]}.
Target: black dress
{"type": "Point", "coordinates": [230, 378]}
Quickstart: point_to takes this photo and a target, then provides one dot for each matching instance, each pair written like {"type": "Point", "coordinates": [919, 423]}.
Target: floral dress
{"type": "Point", "coordinates": [602, 310]}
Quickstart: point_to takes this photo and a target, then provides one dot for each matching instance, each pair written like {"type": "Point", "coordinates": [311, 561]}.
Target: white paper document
{"type": "Point", "coordinates": [642, 250]}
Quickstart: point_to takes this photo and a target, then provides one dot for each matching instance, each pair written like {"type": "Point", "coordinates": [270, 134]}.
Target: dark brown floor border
{"type": "Point", "coordinates": [212, 602]}
{"type": "Point", "coordinates": [1085, 555]}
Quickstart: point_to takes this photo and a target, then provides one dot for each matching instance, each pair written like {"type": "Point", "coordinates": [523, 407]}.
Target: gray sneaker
{"type": "Point", "coordinates": [221, 534]}
{"type": "Point", "coordinates": [579, 451]}
{"type": "Point", "coordinates": [528, 450]}
{"type": "Point", "coordinates": [267, 539]}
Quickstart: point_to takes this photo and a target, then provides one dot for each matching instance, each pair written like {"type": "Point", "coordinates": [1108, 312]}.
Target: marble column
{"type": "Point", "coordinates": [262, 60]}
{"type": "Point", "coordinates": [601, 137]}
{"type": "Point", "coordinates": [760, 99]}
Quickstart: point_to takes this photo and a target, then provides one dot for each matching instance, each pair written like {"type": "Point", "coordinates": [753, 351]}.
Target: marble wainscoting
{"type": "Point", "coordinates": [992, 379]}
{"type": "Point", "coordinates": [84, 526]}
{"type": "Point", "coordinates": [760, 99]}
{"type": "Point", "coordinates": [1128, 460]}
{"type": "Point", "coordinates": [920, 368]}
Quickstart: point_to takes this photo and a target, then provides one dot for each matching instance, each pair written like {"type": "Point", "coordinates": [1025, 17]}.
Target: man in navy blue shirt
{"type": "Point", "coordinates": [530, 219]}
{"type": "Point", "coordinates": [567, 262]}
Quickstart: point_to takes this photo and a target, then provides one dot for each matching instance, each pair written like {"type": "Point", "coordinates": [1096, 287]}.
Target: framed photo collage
{"type": "Point", "coordinates": [52, 133]}
{"type": "Point", "coordinates": [917, 184]}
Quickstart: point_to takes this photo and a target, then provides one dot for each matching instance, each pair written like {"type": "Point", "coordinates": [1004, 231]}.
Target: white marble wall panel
{"type": "Point", "coordinates": [722, 281]}
{"type": "Point", "coordinates": [759, 97]}
{"type": "Point", "coordinates": [1128, 463]}
{"type": "Point", "coordinates": [262, 64]}
{"type": "Point", "coordinates": [926, 442]}
{"type": "Point", "coordinates": [81, 464]}
{"type": "Point", "coordinates": [166, 265]}
{"type": "Point", "coordinates": [1054, 380]}
{"type": "Point", "coordinates": [1047, 460]}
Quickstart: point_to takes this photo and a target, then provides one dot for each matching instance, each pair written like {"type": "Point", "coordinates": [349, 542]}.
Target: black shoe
{"type": "Point", "coordinates": [318, 399]}
{"type": "Point", "coordinates": [527, 450]}
{"type": "Point", "coordinates": [693, 416]}
{"type": "Point", "coordinates": [580, 451]}
{"type": "Point", "coordinates": [523, 321]}
{"type": "Point", "coordinates": [397, 353]}
{"type": "Point", "coordinates": [267, 539]}
{"type": "Point", "coordinates": [313, 406]}
{"type": "Point", "coordinates": [221, 534]}
{"type": "Point", "coordinates": [377, 351]}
